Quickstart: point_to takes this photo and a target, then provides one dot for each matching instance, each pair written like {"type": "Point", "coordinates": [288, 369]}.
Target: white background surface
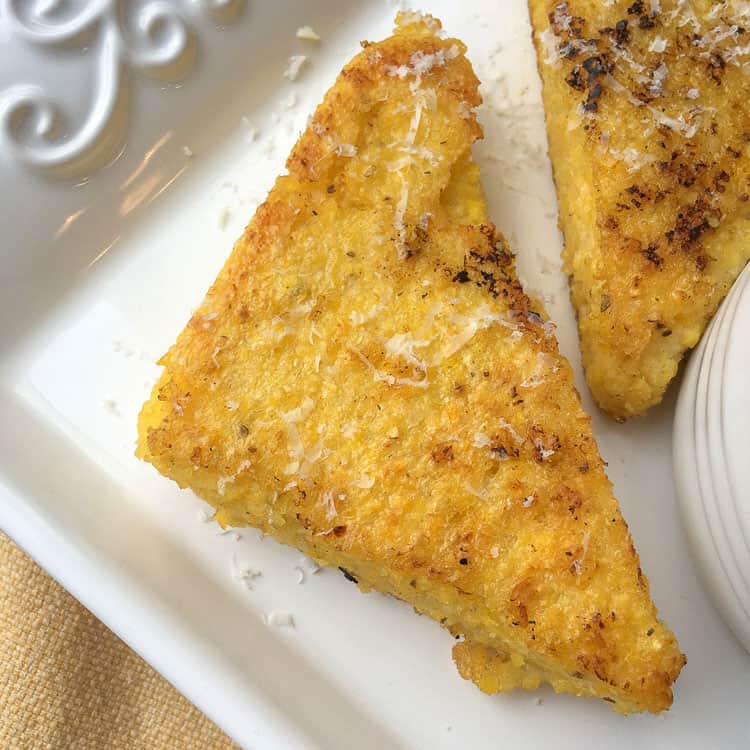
{"type": "Point", "coordinates": [88, 304]}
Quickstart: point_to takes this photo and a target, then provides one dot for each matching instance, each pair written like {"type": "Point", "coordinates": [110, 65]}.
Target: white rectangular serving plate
{"type": "Point", "coordinates": [100, 266]}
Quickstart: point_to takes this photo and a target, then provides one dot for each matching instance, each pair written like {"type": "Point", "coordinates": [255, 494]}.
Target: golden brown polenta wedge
{"type": "Point", "coordinates": [649, 135]}
{"type": "Point", "coordinates": [367, 381]}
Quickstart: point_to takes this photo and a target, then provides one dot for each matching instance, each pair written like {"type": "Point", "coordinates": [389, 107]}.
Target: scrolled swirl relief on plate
{"type": "Point", "coordinates": [154, 38]}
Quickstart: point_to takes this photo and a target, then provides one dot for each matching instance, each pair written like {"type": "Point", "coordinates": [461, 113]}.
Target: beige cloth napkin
{"type": "Point", "coordinates": [68, 683]}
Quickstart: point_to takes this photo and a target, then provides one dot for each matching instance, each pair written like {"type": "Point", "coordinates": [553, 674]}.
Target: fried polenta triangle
{"type": "Point", "coordinates": [367, 381]}
{"type": "Point", "coordinates": [649, 136]}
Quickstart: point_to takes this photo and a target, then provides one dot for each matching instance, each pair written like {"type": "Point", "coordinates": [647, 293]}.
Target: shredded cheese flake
{"type": "Point", "coordinates": [542, 450]}
{"type": "Point", "coordinates": [505, 425]}
{"type": "Point", "coordinates": [578, 564]}
{"type": "Point", "coordinates": [295, 64]}
{"type": "Point", "coordinates": [308, 33]}
{"type": "Point", "coordinates": [330, 504]}
{"type": "Point", "coordinates": [481, 494]}
{"type": "Point", "coordinates": [658, 44]}
{"type": "Point", "coordinates": [224, 480]}
{"type": "Point", "coordinates": [383, 377]}
{"type": "Point", "coordinates": [481, 440]}
{"type": "Point", "coordinates": [421, 63]}
{"type": "Point", "coordinates": [243, 574]}
{"type": "Point", "coordinates": [279, 619]}
{"type": "Point", "coordinates": [364, 482]}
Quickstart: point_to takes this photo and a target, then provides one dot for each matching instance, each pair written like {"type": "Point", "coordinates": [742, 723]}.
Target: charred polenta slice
{"type": "Point", "coordinates": [367, 381]}
{"type": "Point", "coordinates": [649, 135]}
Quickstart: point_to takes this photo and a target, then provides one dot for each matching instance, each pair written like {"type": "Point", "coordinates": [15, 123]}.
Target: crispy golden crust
{"type": "Point", "coordinates": [367, 381]}
{"type": "Point", "coordinates": [648, 129]}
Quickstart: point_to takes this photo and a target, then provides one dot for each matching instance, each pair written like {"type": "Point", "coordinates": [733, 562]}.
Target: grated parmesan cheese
{"type": "Point", "coordinates": [307, 33]}
{"type": "Point", "coordinates": [505, 425]}
{"type": "Point", "coordinates": [279, 619]}
{"type": "Point", "coordinates": [578, 564]}
{"type": "Point", "coordinates": [398, 219]}
{"type": "Point", "coordinates": [421, 63]}
{"type": "Point", "coordinates": [330, 504]}
{"type": "Point", "coordinates": [224, 480]}
{"type": "Point", "coordinates": [424, 221]}
{"type": "Point", "coordinates": [481, 494]}
{"type": "Point", "coordinates": [656, 84]}
{"type": "Point", "coordinates": [633, 159]}
{"type": "Point", "coordinates": [214, 356]}
{"type": "Point", "coordinates": [295, 64]}
{"type": "Point", "coordinates": [403, 345]}
{"type": "Point", "coordinates": [549, 44]}
{"type": "Point", "coordinates": [304, 308]}
{"type": "Point", "coordinates": [677, 123]}
{"type": "Point", "coordinates": [364, 482]}
{"type": "Point", "coordinates": [683, 14]}
{"type": "Point", "coordinates": [345, 149]}
{"type": "Point", "coordinates": [543, 363]}
{"type": "Point", "coordinates": [464, 110]}
{"type": "Point", "coordinates": [481, 319]}
{"type": "Point", "coordinates": [357, 318]}
{"type": "Point", "coordinates": [415, 16]}
{"type": "Point", "coordinates": [309, 566]}
{"type": "Point", "coordinates": [544, 453]}
{"type": "Point", "coordinates": [658, 44]}
{"type": "Point", "coordinates": [244, 575]}
{"type": "Point", "coordinates": [384, 377]}
{"type": "Point", "coordinates": [481, 440]}
{"type": "Point", "coordinates": [560, 18]}
{"type": "Point", "coordinates": [300, 412]}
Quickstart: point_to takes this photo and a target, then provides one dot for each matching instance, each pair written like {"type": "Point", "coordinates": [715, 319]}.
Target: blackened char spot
{"type": "Point", "coordinates": [348, 575]}
{"type": "Point", "coordinates": [575, 79]}
{"type": "Point", "coordinates": [651, 255]}
{"type": "Point", "coordinates": [622, 33]}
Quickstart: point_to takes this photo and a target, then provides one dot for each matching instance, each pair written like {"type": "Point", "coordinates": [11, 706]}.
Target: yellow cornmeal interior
{"type": "Point", "coordinates": [652, 183]}
{"type": "Point", "coordinates": [367, 381]}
